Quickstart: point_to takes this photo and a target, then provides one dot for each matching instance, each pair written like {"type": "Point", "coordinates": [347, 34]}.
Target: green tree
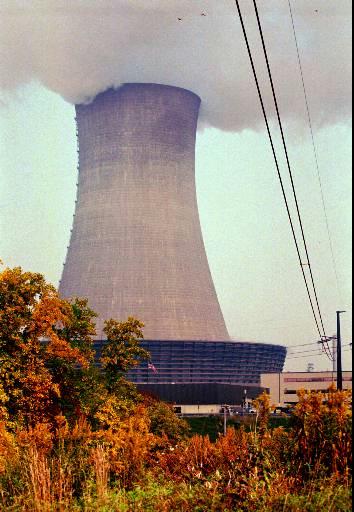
{"type": "Point", "coordinates": [165, 422]}
{"type": "Point", "coordinates": [80, 385]}
{"type": "Point", "coordinates": [123, 351]}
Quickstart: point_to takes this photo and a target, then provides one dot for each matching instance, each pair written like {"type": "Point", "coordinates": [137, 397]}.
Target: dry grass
{"type": "Point", "coordinates": [125, 467]}
{"type": "Point", "coordinates": [101, 469]}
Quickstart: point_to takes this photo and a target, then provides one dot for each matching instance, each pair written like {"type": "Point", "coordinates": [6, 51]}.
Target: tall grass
{"type": "Point", "coordinates": [127, 467]}
{"type": "Point", "coordinates": [101, 470]}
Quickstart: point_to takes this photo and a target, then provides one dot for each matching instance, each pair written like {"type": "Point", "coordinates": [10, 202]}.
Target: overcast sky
{"type": "Point", "coordinates": [55, 50]}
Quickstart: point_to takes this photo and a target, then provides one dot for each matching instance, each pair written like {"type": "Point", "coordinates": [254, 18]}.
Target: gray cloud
{"type": "Point", "coordinates": [78, 48]}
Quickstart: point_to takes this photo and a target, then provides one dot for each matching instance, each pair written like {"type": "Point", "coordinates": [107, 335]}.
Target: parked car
{"type": "Point", "coordinates": [282, 410]}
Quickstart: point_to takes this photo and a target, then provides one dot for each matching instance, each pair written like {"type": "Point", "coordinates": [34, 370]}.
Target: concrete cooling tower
{"type": "Point", "coordinates": [136, 247]}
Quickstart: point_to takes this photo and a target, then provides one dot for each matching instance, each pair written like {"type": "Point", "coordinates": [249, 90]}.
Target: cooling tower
{"type": "Point", "coordinates": [136, 247]}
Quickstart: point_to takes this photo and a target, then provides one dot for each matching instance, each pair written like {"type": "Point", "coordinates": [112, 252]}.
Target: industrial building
{"type": "Point", "coordinates": [136, 246]}
{"type": "Point", "coordinates": [283, 387]}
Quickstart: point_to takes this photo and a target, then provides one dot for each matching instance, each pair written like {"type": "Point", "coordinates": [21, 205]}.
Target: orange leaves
{"type": "Point", "coordinates": [264, 408]}
{"type": "Point", "coordinates": [48, 312]}
{"type": "Point", "coordinates": [42, 337]}
{"type": "Point", "coordinates": [339, 403]}
{"type": "Point", "coordinates": [238, 472]}
{"type": "Point", "coordinates": [39, 437]}
{"type": "Point", "coordinates": [193, 460]}
{"type": "Point", "coordinates": [128, 445]}
{"type": "Point", "coordinates": [322, 430]}
{"type": "Point", "coordinates": [58, 348]}
{"type": "Point", "coordinates": [8, 449]}
{"type": "Point", "coordinates": [29, 308]}
{"type": "Point", "coordinates": [19, 293]}
{"type": "Point", "coordinates": [36, 393]}
{"type": "Point", "coordinates": [3, 401]}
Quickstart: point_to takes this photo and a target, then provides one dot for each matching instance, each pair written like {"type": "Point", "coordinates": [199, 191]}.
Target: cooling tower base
{"type": "Point", "coordinates": [202, 394]}
{"type": "Point", "coordinates": [203, 371]}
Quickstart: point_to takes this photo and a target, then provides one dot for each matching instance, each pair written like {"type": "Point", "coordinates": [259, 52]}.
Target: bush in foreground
{"type": "Point", "coordinates": [75, 438]}
{"type": "Point", "coordinates": [128, 466]}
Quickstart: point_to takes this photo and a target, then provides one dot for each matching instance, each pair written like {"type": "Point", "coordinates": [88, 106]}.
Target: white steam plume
{"type": "Point", "coordinates": [78, 48]}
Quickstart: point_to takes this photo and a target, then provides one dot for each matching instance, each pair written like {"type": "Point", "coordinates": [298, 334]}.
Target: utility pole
{"type": "Point", "coordinates": [339, 354]}
{"type": "Point", "coordinates": [226, 409]}
{"type": "Point", "coordinates": [334, 352]}
{"type": "Point", "coordinates": [245, 399]}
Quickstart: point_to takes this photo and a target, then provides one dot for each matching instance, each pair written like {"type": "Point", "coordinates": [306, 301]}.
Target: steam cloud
{"type": "Point", "coordinates": [78, 48]}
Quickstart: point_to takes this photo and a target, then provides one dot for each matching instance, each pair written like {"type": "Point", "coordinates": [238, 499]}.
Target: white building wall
{"type": "Point", "coordinates": [284, 386]}
{"type": "Point", "coordinates": [200, 409]}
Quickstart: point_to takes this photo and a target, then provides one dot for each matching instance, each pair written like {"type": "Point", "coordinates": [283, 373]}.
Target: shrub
{"type": "Point", "coordinates": [321, 438]}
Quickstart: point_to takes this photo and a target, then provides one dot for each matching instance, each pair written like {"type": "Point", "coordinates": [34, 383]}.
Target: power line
{"type": "Point", "coordinates": [277, 165]}
{"type": "Point", "coordinates": [303, 351]}
{"type": "Point", "coordinates": [304, 345]}
{"type": "Point", "coordinates": [315, 150]}
{"type": "Point", "coordinates": [311, 352]}
{"type": "Point", "coordinates": [276, 162]}
{"type": "Point", "coordinates": [314, 354]}
{"type": "Point", "coordinates": [325, 349]}
{"type": "Point", "coordinates": [309, 355]}
{"type": "Point", "coordinates": [347, 345]}
{"type": "Point", "coordinates": [288, 164]}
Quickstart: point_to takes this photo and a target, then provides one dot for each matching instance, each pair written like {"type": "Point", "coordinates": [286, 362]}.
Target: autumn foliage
{"type": "Point", "coordinates": [73, 437]}
{"type": "Point", "coordinates": [42, 338]}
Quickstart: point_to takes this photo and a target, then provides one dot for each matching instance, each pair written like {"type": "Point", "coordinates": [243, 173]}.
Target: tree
{"type": "Point", "coordinates": [80, 385]}
{"type": "Point", "coordinates": [47, 365]}
{"type": "Point", "coordinates": [164, 420]}
{"type": "Point", "coordinates": [122, 352]}
{"type": "Point", "coordinates": [40, 336]}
